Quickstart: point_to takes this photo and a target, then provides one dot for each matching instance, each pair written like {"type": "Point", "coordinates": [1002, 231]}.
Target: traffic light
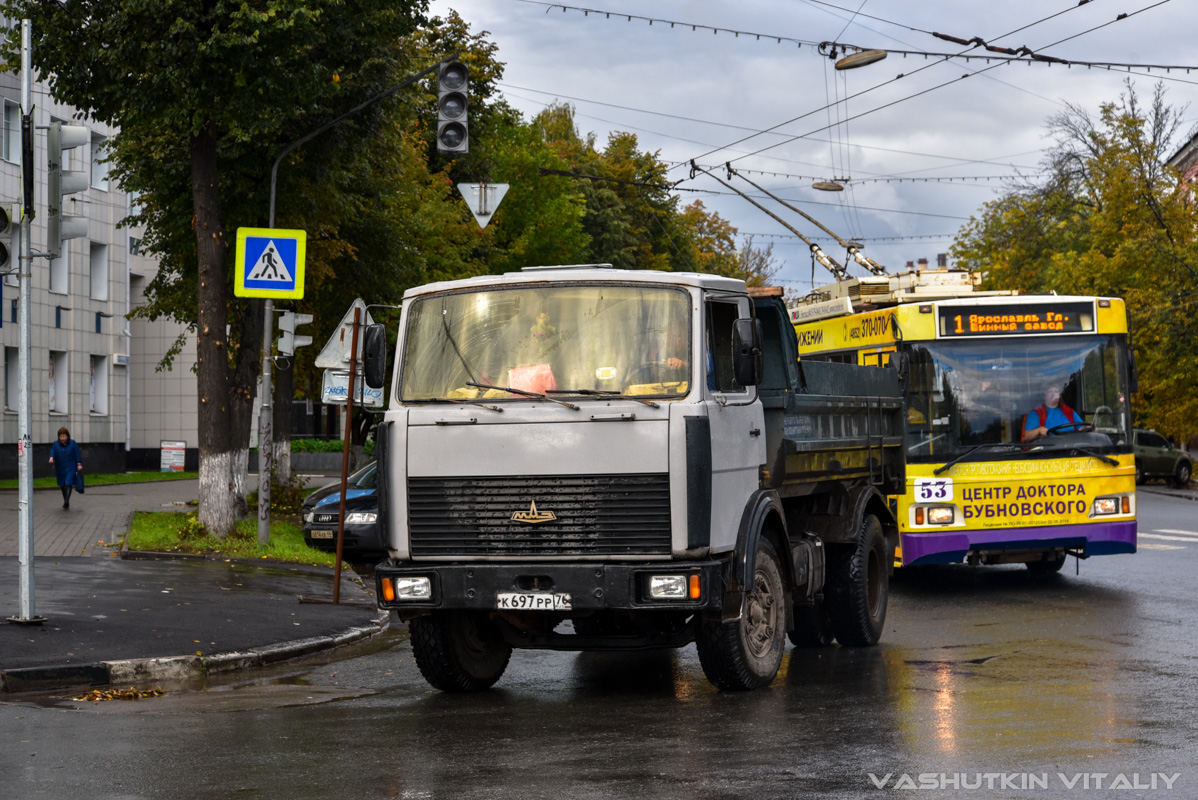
{"type": "Point", "coordinates": [59, 139]}
{"type": "Point", "coordinates": [10, 229]}
{"type": "Point", "coordinates": [288, 341]}
{"type": "Point", "coordinates": [453, 86]}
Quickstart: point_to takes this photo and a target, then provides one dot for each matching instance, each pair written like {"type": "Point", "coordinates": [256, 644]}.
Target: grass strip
{"type": "Point", "coordinates": [106, 479]}
{"type": "Point", "coordinates": [177, 532]}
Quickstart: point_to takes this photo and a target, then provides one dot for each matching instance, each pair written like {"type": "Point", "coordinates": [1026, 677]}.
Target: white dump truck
{"type": "Point", "coordinates": [583, 458]}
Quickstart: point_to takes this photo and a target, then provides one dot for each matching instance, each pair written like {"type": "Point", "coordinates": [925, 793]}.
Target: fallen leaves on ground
{"type": "Point", "coordinates": [96, 695]}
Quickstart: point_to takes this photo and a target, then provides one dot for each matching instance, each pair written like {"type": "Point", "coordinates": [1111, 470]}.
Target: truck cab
{"type": "Point", "coordinates": [589, 458]}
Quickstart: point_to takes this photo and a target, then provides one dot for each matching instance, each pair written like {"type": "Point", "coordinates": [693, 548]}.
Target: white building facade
{"type": "Point", "coordinates": [94, 371]}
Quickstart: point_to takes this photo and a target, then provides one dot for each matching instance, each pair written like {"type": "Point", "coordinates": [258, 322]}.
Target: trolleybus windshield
{"type": "Point", "coordinates": [969, 392]}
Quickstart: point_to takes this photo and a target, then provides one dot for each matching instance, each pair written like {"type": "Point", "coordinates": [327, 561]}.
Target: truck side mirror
{"type": "Point", "coordinates": [747, 335]}
{"type": "Point", "coordinates": [374, 356]}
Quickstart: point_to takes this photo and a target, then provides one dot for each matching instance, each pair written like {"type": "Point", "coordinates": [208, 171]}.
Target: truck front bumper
{"type": "Point", "coordinates": [589, 587]}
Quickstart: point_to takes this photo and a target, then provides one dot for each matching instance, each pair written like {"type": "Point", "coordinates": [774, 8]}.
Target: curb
{"type": "Point", "coordinates": [1180, 494]}
{"type": "Point", "coordinates": [137, 670]}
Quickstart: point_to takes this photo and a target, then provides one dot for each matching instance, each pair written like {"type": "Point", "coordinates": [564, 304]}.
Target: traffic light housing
{"type": "Point", "coordinates": [9, 235]}
{"type": "Point", "coordinates": [60, 138]}
{"type": "Point", "coordinates": [453, 87]}
{"type": "Point", "coordinates": [288, 341]}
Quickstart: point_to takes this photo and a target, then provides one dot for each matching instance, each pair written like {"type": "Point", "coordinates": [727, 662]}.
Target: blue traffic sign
{"type": "Point", "coordinates": [270, 263]}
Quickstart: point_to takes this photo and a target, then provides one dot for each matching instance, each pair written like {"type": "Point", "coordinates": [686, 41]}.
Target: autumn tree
{"type": "Point", "coordinates": [1108, 220]}
{"type": "Point", "coordinates": [205, 94]}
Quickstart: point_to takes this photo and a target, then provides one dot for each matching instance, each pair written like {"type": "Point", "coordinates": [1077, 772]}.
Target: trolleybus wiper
{"type": "Point", "coordinates": [968, 453]}
{"type": "Point", "coordinates": [523, 393]}
{"type": "Point", "coordinates": [455, 401]}
{"type": "Point", "coordinates": [1083, 451]}
{"type": "Point", "coordinates": [604, 395]}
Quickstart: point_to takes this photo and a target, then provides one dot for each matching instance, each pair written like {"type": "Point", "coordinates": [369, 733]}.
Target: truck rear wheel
{"type": "Point", "coordinates": [745, 654]}
{"type": "Point", "coordinates": [858, 587]}
{"type": "Point", "coordinates": [459, 651]}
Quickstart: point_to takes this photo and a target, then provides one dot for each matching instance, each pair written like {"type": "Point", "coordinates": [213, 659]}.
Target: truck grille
{"type": "Point", "coordinates": [592, 515]}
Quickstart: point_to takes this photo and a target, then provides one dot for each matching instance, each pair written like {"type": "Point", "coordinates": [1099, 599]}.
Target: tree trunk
{"type": "Point", "coordinates": [247, 370]}
{"type": "Point", "coordinates": [218, 509]}
{"type": "Point", "coordinates": [284, 392]}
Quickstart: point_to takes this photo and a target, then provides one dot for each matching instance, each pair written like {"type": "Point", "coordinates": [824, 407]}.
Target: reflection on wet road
{"type": "Point", "coordinates": [1036, 683]}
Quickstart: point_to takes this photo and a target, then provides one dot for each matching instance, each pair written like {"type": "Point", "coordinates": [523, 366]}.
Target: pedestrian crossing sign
{"type": "Point", "coordinates": [270, 263]}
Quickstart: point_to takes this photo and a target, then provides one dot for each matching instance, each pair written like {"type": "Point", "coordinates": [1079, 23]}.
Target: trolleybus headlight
{"type": "Point", "coordinates": [940, 515]}
{"type": "Point", "coordinates": [667, 587]}
{"type": "Point", "coordinates": [1106, 505]}
{"type": "Point", "coordinates": [413, 588]}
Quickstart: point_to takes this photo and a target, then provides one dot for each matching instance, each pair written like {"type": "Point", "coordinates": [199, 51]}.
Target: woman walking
{"type": "Point", "coordinates": [67, 461]}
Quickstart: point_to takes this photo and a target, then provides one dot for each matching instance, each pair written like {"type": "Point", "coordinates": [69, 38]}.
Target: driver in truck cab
{"type": "Point", "coordinates": [1042, 419]}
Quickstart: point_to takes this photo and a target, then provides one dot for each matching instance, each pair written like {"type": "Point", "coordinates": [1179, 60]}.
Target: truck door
{"type": "Point", "coordinates": [737, 424]}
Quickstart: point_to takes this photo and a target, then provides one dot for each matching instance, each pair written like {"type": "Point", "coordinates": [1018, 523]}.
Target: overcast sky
{"type": "Point", "coordinates": [692, 94]}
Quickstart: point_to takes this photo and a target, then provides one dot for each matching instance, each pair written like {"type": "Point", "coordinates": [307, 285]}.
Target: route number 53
{"type": "Point", "coordinates": [933, 490]}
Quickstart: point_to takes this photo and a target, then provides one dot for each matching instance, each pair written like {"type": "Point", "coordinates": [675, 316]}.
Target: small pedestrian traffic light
{"type": "Point", "coordinates": [288, 341]}
{"type": "Point", "coordinates": [59, 139]}
{"type": "Point", "coordinates": [9, 234]}
{"type": "Point", "coordinates": [453, 87]}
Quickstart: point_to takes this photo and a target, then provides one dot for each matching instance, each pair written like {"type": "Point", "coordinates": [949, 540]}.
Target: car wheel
{"type": "Point", "coordinates": [746, 654]}
{"type": "Point", "coordinates": [1139, 474]}
{"type": "Point", "coordinates": [459, 651]}
{"type": "Point", "coordinates": [1183, 474]}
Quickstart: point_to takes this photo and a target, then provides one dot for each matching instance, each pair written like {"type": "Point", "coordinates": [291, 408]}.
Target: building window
{"type": "Point", "coordinates": [11, 378]}
{"type": "Point", "coordinates": [12, 132]}
{"type": "Point", "coordinates": [60, 272]}
{"type": "Point", "coordinates": [98, 385]}
{"type": "Point", "coordinates": [99, 271]}
{"type": "Point", "coordinates": [99, 165]}
{"type": "Point", "coordinates": [58, 386]}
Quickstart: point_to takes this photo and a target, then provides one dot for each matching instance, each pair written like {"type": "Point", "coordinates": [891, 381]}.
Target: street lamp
{"type": "Point", "coordinates": [860, 59]}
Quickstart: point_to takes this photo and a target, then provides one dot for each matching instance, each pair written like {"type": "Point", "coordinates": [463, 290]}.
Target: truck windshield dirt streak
{"type": "Point", "coordinates": [664, 472]}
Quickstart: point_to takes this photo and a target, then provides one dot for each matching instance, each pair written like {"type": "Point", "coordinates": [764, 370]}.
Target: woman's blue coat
{"type": "Point", "coordinates": [66, 457]}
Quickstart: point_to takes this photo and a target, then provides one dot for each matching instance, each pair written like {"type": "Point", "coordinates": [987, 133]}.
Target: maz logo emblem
{"type": "Point", "coordinates": [532, 516]}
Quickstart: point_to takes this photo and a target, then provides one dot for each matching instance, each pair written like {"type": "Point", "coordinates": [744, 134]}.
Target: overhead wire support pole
{"type": "Point", "coordinates": [26, 602]}
{"type": "Point", "coordinates": [853, 248]}
{"type": "Point", "coordinates": [833, 266]}
{"type": "Point", "coordinates": [266, 407]}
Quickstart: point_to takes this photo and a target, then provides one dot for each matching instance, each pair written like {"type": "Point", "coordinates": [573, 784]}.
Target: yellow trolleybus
{"type": "Point", "coordinates": [1018, 424]}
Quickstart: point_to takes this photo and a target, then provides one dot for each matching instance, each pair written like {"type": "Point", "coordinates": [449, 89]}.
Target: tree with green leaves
{"type": "Point", "coordinates": [1108, 220]}
{"type": "Point", "coordinates": [206, 94]}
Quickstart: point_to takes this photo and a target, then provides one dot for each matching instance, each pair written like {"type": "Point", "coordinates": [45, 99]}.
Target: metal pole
{"type": "Point", "coordinates": [349, 416]}
{"type": "Point", "coordinates": [266, 450]}
{"type": "Point", "coordinates": [27, 614]}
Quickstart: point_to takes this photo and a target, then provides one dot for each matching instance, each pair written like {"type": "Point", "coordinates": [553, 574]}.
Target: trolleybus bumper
{"type": "Point", "coordinates": [1088, 539]}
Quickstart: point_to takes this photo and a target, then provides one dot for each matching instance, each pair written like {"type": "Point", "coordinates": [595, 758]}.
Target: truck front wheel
{"type": "Point", "coordinates": [857, 586]}
{"type": "Point", "coordinates": [459, 651]}
{"type": "Point", "coordinates": [745, 654]}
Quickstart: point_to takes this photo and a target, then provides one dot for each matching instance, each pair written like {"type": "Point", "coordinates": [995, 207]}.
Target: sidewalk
{"type": "Point", "coordinates": [111, 620]}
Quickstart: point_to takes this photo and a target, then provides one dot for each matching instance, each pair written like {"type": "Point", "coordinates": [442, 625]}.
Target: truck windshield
{"type": "Point", "coordinates": [986, 392]}
{"type": "Point", "coordinates": [616, 339]}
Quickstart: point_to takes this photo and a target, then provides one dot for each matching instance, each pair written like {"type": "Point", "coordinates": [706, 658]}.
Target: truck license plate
{"type": "Point", "coordinates": [533, 601]}
{"type": "Point", "coordinates": [323, 534]}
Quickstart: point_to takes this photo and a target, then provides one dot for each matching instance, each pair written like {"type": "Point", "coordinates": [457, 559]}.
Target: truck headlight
{"type": "Point", "coordinates": [1106, 505]}
{"type": "Point", "coordinates": [413, 588]}
{"type": "Point", "coordinates": [361, 518]}
{"type": "Point", "coordinates": [940, 515]}
{"type": "Point", "coordinates": [667, 587]}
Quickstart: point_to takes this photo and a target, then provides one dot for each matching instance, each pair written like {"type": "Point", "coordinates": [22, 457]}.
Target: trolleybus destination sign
{"type": "Point", "coordinates": [1012, 319]}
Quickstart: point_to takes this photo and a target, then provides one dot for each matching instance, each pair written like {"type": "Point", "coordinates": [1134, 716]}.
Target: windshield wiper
{"type": "Point", "coordinates": [604, 395]}
{"type": "Point", "coordinates": [523, 393]}
{"type": "Point", "coordinates": [968, 453]}
{"type": "Point", "coordinates": [455, 402]}
{"type": "Point", "coordinates": [1083, 451]}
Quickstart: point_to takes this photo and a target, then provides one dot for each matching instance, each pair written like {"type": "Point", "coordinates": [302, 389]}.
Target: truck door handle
{"type": "Point", "coordinates": [755, 432]}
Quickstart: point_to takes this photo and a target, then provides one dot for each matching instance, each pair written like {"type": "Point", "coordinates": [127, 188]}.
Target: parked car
{"type": "Point", "coordinates": [1156, 458]}
{"type": "Point", "coordinates": [321, 509]}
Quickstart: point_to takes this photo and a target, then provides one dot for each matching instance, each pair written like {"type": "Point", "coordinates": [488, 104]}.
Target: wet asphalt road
{"type": "Point", "coordinates": [985, 677]}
